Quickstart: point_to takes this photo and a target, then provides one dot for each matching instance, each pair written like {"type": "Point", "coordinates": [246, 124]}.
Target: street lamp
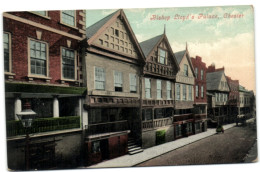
{"type": "Point", "coordinates": [27, 116]}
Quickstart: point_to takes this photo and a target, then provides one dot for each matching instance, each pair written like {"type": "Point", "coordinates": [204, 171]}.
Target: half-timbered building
{"type": "Point", "coordinates": [184, 95]}
{"type": "Point", "coordinates": [159, 74]}
{"type": "Point", "coordinates": [113, 62]}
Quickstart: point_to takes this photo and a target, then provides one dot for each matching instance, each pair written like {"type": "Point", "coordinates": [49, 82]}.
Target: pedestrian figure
{"type": "Point", "coordinates": [220, 129]}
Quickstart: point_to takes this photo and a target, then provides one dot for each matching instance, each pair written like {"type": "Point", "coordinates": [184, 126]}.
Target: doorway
{"type": "Point", "coordinates": [104, 149]}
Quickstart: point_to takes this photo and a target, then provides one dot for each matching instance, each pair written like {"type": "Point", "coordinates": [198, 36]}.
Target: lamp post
{"type": "Point", "coordinates": [27, 116]}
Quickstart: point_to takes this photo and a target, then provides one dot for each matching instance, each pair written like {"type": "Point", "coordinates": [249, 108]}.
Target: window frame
{"type": "Point", "coordinates": [178, 91]}
{"type": "Point", "coordinates": [190, 93]}
{"type": "Point", "coordinates": [38, 14]}
{"type": "Point", "coordinates": [131, 84]}
{"type": "Point", "coordinates": [201, 74]}
{"type": "Point", "coordinates": [160, 90]}
{"type": "Point", "coordinates": [184, 92]}
{"type": "Point", "coordinates": [202, 91]}
{"type": "Point", "coordinates": [10, 53]}
{"type": "Point", "coordinates": [159, 56]}
{"type": "Point", "coordinates": [29, 59]}
{"type": "Point", "coordinates": [197, 91]}
{"type": "Point", "coordinates": [122, 78]}
{"type": "Point", "coordinates": [169, 85]}
{"type": "Point", "coordinates": [150, 89]}
{"type": "Point", "coordinates": [95, 85]}
{"type": "Point", "coordinates": [75, 65]}
{"type": "Point", "coordinates": [75, 19]}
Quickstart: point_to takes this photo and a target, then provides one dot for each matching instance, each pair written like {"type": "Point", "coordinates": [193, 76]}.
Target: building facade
{"type": "Point", "coordinates": [233, 99]}
{"type": "Point", "coordinates": [157, 93]}
{"type": "Point", "coordinates": [112, 64]}
{"type": "Point", "coordinates": [42, 67]}
{"type": "Point", "coordinates": [200, 97]}
{"type": "Point", "coordinates": [184, 96]}
{"type": "Point", "coordinates": [218, 91]}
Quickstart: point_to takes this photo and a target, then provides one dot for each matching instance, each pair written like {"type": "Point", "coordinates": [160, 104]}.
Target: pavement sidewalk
{"type": "Point", "coordinates": [149, 153]}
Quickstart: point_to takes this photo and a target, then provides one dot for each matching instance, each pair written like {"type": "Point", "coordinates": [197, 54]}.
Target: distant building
{"type": "Point", "coordinates": [233, 99]}
{"type": "Point", "coordinates": [246, 102]}
{"type": "Point", "coordinates": [218, 93]}
{"type": "Point", "coordinates": [200, 97]}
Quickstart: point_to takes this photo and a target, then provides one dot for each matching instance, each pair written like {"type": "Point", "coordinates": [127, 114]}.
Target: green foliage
{"type": "Point", "coordinates": [15, 128]}
{"type": "Point", "coordinates": [160, 137]}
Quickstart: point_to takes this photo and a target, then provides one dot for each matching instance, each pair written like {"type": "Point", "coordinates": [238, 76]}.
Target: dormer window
{"type": "Point", "coordinates": [162, 56]}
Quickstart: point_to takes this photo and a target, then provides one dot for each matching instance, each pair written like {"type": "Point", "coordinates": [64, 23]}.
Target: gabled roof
{"type": "Point", "coordinates": [91, 30]}
{"type": "Point", "coordinates": [179, 55]}
{"type": "Point", "coordinates": [149, 44]}
{"type": "Point", "coordinates": [243, 89]}
{"type": "Point", "coordinates": [213, 80]}
{"type": "Point", "coordinates": [184, 53]}
{"type": "Point", "coordinates": [95, 30]}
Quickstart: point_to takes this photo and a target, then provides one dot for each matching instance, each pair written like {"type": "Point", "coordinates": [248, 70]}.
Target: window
{"type": "Point", "coordinates": [38, 56]}
{"type": "Point", "coordinates": [133, 87]}
{"type": "Point", "coordinates": [116, 32]}
{"type": "Point", "coordinates": [183, 92]}
{"type": "Point", "coordinates": [100, 78]}
{"type": "Point", "coordinates": [216, 97]}
{"type": "Point", "coordinates": [201, 74]}
{"type": "Point", "coordinates": [169, 89]}
{"type": "Point", "coordinates": [186, 70]}
{"type": "Point", "coordinates": [162, 56]}
{"type": "Point", "coordinates": [178, 92]}
{"type": "Point", "coordinates": [68, 64]}
{"type": "Point", "coordinates": [95, 147]}
{"type": "Point", "coordinates": [178, 130]}
{"type": "Point", "coordinates": [147, 114]}
{"type": "Point", "coordinates": [159, 89]}
{"type": "Point", "coordinates": [190, 92]}
{"type": "Point", "coordinates": [7, 54]}
{"type": "Point", "coordinates": [101, 41]}
{"type": "Point", "coordinates": [197, 126]}
{"type": "Point", "coordinates": [196, 72]}
{"type": "Point", "coordinates": [43, 13]}
{"type": "Point", "coordinates": [202, 91]}
{"type": "Point", "coordinates": [189, 127]}
{"type": "Point", "coordinates": [68, 17]}
{"type": "Point", "coordinates": [118, 81]}
{"type": "Point", "coordinates": [197, 91]}
{"type": "Point", "coordinates": [147, 88]}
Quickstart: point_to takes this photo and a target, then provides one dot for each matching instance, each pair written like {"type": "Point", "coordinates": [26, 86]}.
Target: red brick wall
{"type": "Point", "coordinates": [197, 63]}
{"type": "Point", "coordinates": [53, 22]}
{"type": "Point", "coordinates": [234, 91]}
{"type": "Point", "coordinates": [20, 33]}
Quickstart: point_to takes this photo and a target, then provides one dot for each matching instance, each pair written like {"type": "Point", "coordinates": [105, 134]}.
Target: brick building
{"type": "Point", "coordinates": [200, 97]}
{"type": "Point", "coordinates": [43, 68]}
{"type": "Point", "coordinates": [157, 92]}
{"type": "Point", "coordinates": [184, 95]}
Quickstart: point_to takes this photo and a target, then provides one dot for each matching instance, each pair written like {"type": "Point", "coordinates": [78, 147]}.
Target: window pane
{"type": "Point", "coordinates": [147, 88]}
{"type": "Point", "coordinates": [6, 52]}
{"type": "Point", "coordinates": [68, 63]}
{"type": "Point", "coordinates": [99, 78]}
{"type": "Point", "coordinates": [133, 83]}
{"type": "Point", "coordinates": [38, 57]}
{"type": "Point", "coordinates": [68, 17]}
{"type": "Point", "coordinates": [43, 13]}
{"type": "Point", "coordinates": [162, 56]}
{"type": "Point", "coordinates": [159, 89]}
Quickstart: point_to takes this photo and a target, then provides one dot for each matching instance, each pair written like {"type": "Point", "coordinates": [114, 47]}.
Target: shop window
{"type": "Point", "coordinates": [95, 147]}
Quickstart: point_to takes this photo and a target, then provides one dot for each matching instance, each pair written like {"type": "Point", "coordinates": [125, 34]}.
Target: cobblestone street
{"type": "Point", "coordinates": [230, 147]}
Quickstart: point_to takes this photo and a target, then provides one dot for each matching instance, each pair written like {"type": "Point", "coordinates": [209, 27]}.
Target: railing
{"type": "Point", "coordinates": [15, 128]}
{"type": "Point", "coordinates": [200, 116]}
{"type": "Point", "coordinates": [107, 127]}
{"type": "Point", "coordinates": [156, 123]}
{"type": "Point", "coordinates": [183, 117]}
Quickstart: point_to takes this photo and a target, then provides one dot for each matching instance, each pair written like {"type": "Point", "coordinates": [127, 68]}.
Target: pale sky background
{"type": "Point", "coordinates": [225, 42]}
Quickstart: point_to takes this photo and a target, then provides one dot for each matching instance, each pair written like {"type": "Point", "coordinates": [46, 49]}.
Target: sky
{"type": "Point", "coordinates": [210, 32]}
